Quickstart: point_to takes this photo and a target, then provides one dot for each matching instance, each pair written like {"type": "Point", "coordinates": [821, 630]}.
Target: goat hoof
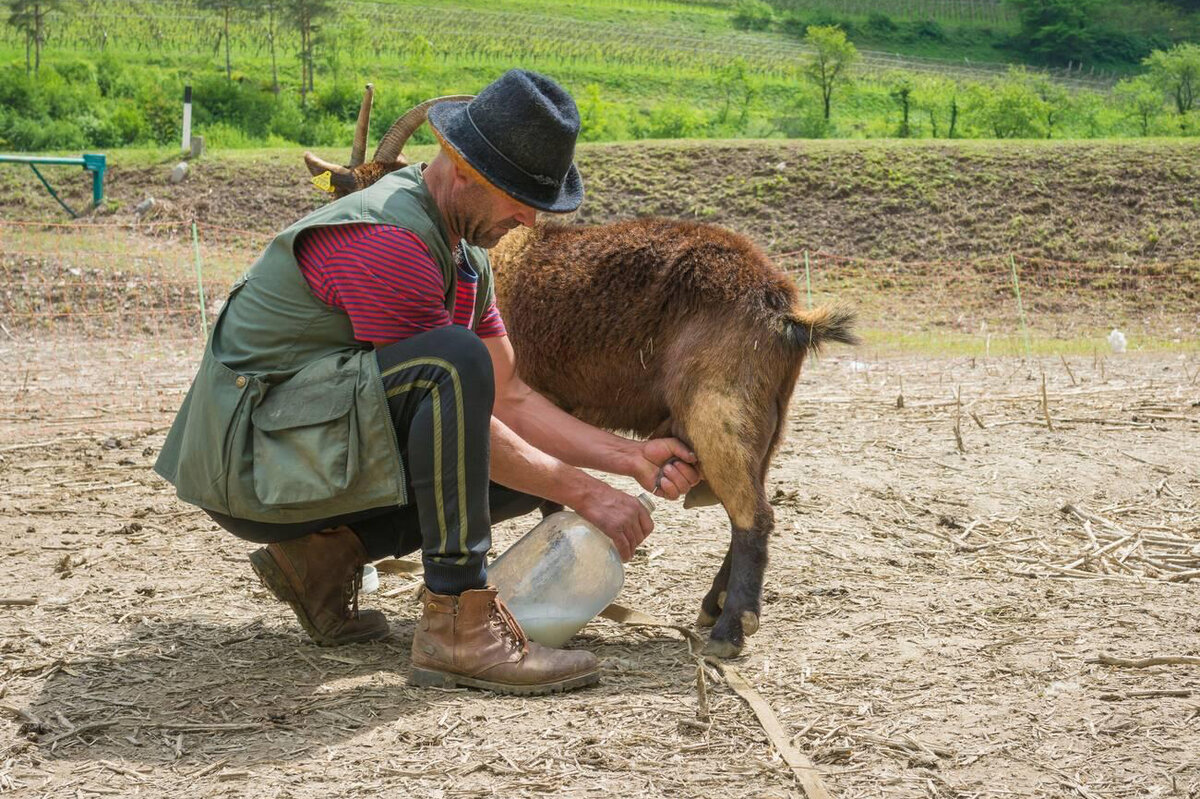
{"type": "Point", "coordinates": [721, 649]}
{"type": "Point", "coordinates": [749, 623]}
{"type": "Point", "coordinates": [704, 619]}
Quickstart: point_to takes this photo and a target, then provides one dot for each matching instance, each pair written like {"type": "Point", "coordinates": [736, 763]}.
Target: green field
{"type": "Point", "coordinates": [114, 70]}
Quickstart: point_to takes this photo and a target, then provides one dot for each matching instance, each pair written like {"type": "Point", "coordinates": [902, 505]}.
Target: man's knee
{"type": "Point", "coordinates": [460, 347]}
{"type": "Point", "coordinates": [469, 355]}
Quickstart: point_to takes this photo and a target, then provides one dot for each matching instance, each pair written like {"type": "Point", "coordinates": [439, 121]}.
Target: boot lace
{"type": "Point", "coordinates": [504, 621]}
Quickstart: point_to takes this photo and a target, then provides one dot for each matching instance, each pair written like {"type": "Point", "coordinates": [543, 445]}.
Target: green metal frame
{"type": "Point", "coordinates": [92, 162]}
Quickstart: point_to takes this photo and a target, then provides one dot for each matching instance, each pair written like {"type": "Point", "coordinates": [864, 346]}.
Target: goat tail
{"type": "Point", "coordinates": [809, 330]}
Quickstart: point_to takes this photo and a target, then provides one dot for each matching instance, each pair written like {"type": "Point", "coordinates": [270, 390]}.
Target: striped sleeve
{"type": "Point", "coordinates": [491, 324]}
{"type": "Point", "coordinates": [383, 277]}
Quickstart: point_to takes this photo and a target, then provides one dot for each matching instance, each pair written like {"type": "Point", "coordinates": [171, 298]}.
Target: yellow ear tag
{"type": "Point", "coordinates": [322, 182]}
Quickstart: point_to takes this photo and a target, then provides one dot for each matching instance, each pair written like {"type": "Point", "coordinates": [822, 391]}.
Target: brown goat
{"type": "Point", "coordinates": [662, 327]}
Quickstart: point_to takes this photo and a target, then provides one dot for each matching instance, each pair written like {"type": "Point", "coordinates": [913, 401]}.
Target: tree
{"type": "Point", "coordinates": [305, 16]}
{"type": "Point", "coordinates": [829, 64]}
{"type": "Point", "coordinates": [1009, 107]}
{"type": "Point", "coordinates": [29, 17]}
{"type": "Point", "coordinates": [738, 87]}
{"type": "Point", "coordinates": [272, 9]}
{"type": "Point", "coordinates": [1055, 101]}
{"type": "Point", "coordinates": [938, 98]}
{"type": "Point", "coordinates": [226, 9]}
{"type": "Point", "coordinates": [1055, 31]}
{"type": "Point", "coordinates": [1177, 73]}
{"type": "Point", "coordinates": [1141, 99]}
{"type": "Point", "coordinates": [902, 92]}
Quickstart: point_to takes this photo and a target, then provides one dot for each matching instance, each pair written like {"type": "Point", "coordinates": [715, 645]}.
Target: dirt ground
{"type": "Point", "coordinates": [1114, 202]}
{"type": "Point", "coordinates": [930, 622]}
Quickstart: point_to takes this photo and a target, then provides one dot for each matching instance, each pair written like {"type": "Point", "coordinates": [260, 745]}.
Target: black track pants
{"type": "Point", "coordinates": [440, 390]}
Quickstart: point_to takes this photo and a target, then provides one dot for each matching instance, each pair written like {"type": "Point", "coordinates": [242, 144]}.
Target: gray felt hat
{"type": "Point", "coordinates": [519, 134]}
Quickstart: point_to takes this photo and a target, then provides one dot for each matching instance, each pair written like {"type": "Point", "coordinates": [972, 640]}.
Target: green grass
{"type": "Point", "coordinates": [1012, 345]}
{"type": "Point", "coordinates": [639, 69]}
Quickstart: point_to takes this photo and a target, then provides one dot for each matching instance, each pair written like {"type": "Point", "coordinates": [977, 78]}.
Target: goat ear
{"type": "Point", "coordinates": [344, 182]}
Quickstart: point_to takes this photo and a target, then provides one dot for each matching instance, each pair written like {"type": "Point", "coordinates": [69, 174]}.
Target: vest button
{"type": "Point", "coordinates": [240, 382]}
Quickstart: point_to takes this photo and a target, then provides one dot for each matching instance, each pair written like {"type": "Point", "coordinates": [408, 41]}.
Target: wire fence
{"type": "Point", "coordinates": [165, 282]}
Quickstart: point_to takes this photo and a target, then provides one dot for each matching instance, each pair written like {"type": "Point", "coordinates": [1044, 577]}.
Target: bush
{"type": "Point", "coordinates": [16, 91]}
{"type": "Point", "coordinates": [322, 130]}
{"type": "Point", "coordinates": [240, 103]}
{"type": "Point", "coordinates": [160, 112]}
{"type": "Point", "coordinates": [794, 23]}
{"type": "Point", "coordinates": [27, 133]}
{"type": "Point", "coordinates": [76, 71]}
{"type": "Point", "coordinates": [125, 126]}
{"type": "Point", "coordinates": [112, 77]}
{"type": "Point", "coordinates": [671, 121]}
{"type": "Point", "coordinates": [926, 30]}
{"type": "Point", "coordinates": [340, 100]}
{"type": "Point", "coordinates": [222, 135]}
{"type": "Point", "coordinates": [752, 15]}
{"type": "Point", "coordinates": [600, 119]}
{"type": "Point", "coordinates": [881, 24]}
{"type": "Point", "coordinates": [287, 120]}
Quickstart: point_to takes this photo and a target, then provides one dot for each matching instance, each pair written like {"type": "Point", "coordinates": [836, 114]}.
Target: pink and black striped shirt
{"type": "Point", "coordinates": [387, 282]}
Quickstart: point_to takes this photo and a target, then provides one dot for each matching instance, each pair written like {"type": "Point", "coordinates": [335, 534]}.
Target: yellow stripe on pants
{"type": "Point", "coordinates": [437, 450]}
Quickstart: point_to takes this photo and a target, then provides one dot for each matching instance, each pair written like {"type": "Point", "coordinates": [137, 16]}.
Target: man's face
{"type": "Point", "coordinates": [483, 214]}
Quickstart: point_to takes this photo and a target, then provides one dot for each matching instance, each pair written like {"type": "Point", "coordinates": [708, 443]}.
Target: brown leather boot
{"type": "Point", "coordinates": [319, 576]}
{"type": "Point", "coordinates": [473, 640]}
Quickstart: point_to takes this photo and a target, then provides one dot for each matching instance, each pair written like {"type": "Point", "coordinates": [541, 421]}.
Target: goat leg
{"type": "Point", "coordinates": [743, 594]}
{"type": "Point", "coordinates": [710, 606]}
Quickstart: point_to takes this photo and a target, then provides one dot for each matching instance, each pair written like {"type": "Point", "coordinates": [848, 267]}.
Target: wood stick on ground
{"type": "Point", "coordinates": [1183, 577]}
{"type": "Point", "coordinates": [81, 730]}
{"type": "Point", "coordinates": [1142, 663]}
{"type": "Point", "coordinates": [1075, 564]}
{"type": "Point", "coordinates": [18, 600]}
{"type": "Point", "coordinates": [1067, 366]}
{"type": "Point", "coordinates": [1046, 405]}
{"type": "Point", "coordinates": [1152, 694]}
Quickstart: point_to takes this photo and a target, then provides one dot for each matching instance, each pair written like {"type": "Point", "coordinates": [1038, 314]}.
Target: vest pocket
{"type": "Point", "coordinates": [305, 442]}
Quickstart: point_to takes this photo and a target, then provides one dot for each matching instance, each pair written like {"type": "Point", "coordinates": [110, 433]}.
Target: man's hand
{"type": "Point", "coordinates": [618, 515]}
{"type": "Point", "coordinates": [666, 467]}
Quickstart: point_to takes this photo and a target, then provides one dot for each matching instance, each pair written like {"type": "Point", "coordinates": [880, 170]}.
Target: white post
{"type": "Point", "coordinates": [187, 118]}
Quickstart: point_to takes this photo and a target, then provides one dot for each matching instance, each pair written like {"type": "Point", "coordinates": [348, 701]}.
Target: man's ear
{"type": "Point", "coordinates": [461, 176]}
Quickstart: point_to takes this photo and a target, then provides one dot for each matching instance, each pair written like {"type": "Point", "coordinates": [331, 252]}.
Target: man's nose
{"type": "Point", "coordinates": [526, 215]}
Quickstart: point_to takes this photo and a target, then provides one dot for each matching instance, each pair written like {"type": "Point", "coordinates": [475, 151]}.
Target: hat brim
{"type": "Point", "coordinates": [454, 130]}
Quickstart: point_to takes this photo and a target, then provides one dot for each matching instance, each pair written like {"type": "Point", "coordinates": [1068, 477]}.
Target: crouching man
{"type": "Point", "coordinates": [358, 400]}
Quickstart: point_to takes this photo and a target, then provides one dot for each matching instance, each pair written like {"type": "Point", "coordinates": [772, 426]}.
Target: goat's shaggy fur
{"type": "Point", "coordinates": [661, 327]}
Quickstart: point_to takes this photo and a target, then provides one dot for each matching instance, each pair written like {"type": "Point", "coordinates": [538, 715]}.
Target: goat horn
{"type": "Point", "coordinates": [316, 166]}
{"type": "Point", "coordinates": [359, 151]}
{"type": "Point", "coordinates": [394, 140]}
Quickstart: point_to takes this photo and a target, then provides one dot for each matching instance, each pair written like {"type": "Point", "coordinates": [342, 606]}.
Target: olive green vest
{"type": "Point", "coordinates": [286, 420]}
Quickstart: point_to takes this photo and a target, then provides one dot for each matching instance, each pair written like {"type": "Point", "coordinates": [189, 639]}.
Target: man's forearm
{"type": "Point", "coordinates": [519, 465]}
{"type": "Point", "coordinates": [554, 431]}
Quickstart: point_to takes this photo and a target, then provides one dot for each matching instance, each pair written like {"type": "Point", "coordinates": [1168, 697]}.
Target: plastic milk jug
{"type": "Point", "coordinates": [559, 576]}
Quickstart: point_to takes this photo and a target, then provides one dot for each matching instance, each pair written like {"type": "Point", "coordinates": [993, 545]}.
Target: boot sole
{"type": "Point", "coordinates": [275, 581]}
{"type": "Point", "coordinates": [427, 678]}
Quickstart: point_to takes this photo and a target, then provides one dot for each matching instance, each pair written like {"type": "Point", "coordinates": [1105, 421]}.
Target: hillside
{"type": "Point", "coordinates": [1128, 201]}
{"type": "Point", "coordinates": [113, 72]}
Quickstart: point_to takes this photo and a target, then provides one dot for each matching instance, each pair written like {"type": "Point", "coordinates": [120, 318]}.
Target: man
{"type": "Point", "coordinates": [359, 387]}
